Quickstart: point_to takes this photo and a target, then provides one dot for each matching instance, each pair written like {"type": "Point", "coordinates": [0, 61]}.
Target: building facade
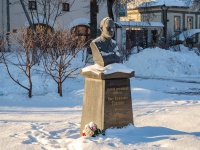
{"type": "Point", "coordinates": [175, 15]}
{"type": "Point", "coordinates": [146, 20]}
{"type": "Point", "coordinates": [79, 14]}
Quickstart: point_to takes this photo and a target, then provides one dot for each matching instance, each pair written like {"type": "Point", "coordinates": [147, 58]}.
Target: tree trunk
{"type": "Point", "coordinates": [30, 82]}
{"type": "Point", "coordinates": [109, 8]}
{"type": "Point", "coordinates": [61, 89]}
{"type": "Point", "coordinates": [58, 87]}
{"type": "Point", "coordinates": [59, 82]}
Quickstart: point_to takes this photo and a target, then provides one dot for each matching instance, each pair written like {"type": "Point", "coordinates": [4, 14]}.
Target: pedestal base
{"type": "Point", "coordinates": [107, 103]}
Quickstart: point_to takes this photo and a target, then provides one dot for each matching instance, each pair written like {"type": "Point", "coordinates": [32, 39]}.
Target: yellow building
{"type": "Point", "coordinates": [175, 15]}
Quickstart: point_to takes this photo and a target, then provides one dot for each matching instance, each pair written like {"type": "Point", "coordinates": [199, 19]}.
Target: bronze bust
{"type": "Point", "coordinates": [104, 49]}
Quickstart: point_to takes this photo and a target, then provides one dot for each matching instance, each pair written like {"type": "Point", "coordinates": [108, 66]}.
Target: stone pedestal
{"type": "Point", "coordinates": [107, 100]}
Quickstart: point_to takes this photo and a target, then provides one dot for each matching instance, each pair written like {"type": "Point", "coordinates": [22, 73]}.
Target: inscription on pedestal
{"type": "Point", "coordinates": [118, 103]}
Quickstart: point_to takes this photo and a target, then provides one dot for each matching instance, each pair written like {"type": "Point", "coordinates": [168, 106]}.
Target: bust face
{"type": "Point", "coordinates": [107, 30]}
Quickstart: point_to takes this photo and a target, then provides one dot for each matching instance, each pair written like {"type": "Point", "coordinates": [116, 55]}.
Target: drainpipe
{"type": "Point", "coordinates": [8, 15]}
{"type": "Point", "coordinates": [2, 21]}
{"type": "Point", "coordinates": [164, 17]}
{"type": "Point", "coordinates": [2, 16]}
{"type": "Point", "coordinates": [8, 23]}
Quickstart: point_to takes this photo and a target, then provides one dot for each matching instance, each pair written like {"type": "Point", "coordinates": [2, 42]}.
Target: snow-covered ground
{"type": "Point", "coordinates": [165, 98]}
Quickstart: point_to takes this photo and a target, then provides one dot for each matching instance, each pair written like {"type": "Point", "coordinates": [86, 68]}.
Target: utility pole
{"type": "Point", "coordinates": [8, 23]}
{"type": "Point", "coordinates": [93, 19]}
{"type": "Point", "coordinates": [93, 24]}
{"type": "Point", "coordinates": [116, 10]}
{"type": "Point", "coordinates": [117, 16]}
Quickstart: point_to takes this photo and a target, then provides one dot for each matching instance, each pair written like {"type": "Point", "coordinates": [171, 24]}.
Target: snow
{"type": "Point", "coordinates": [160, 63]}
{"type": "Point", "coordinates": [165, 99]}
{"type": "Point", "coordinates": [109, 69]}
{"type": "Point", "coordinates": [186, 34]}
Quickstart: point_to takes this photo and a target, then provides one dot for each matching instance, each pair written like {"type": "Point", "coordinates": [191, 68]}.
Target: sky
{"type": "Point", "coordinates": [165, 99]}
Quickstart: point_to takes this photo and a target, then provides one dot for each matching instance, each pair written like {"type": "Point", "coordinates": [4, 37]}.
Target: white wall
{"type": "Point", "coordinates": [79, 9]}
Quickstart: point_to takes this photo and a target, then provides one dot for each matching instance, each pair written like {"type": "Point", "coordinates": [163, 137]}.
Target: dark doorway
{"type": "Point", "coordinates": [136, 38]}
{"type": "Point", "coordinates": [154, 37]}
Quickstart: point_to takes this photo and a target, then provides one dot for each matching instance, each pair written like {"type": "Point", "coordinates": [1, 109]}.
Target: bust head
{"type": "Point", "coordinates": [107, 28]}
{"type": "Point", "coordinates": [104, 49]}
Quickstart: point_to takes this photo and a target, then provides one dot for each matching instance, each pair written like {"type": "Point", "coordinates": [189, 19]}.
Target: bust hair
{"type": "Point", "coordinates": [103, 21]}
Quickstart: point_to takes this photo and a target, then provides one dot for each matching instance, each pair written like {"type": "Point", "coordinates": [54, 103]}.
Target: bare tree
{"type": "Point", "coordinates": [60, 67]}
{"type": "Point", "coordinates": [195, 4]}
{"type": "Point", "coordinates": [47, 11]}
{"type": "Point", "coordinates": [23, 49]}
{"type": "Point", "coordinates": [60, 48]}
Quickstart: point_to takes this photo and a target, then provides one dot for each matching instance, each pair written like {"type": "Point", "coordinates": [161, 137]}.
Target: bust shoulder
{"type": "Point", "coordinates": [113, 41]}
{"type": "Point", "coordinates": [97, 40]}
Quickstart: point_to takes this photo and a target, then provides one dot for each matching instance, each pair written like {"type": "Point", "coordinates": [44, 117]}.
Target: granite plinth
{"type": "Point", "coordinates": [107, 100]}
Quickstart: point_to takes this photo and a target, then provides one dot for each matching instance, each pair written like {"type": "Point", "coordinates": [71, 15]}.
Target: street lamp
{"type": "Point", "coordinates": [164, 20]}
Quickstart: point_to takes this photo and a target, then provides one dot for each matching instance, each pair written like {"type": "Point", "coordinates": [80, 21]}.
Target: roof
{"type": "Point", "coordinates": [159, 3]}
{"type": "Point", "coordinates": [140, 24]}
{"type": "Point", "coordinates": [85, 21]}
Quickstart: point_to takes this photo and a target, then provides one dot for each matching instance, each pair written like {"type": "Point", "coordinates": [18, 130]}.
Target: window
{"type": "Point", "coordinates": [43, 27]}
{"type": "Point", "coordinates": [32, 5]}
{"type": "Point", "coordinates": [83, 32]}
{"type": "Point", "coordinates": [14, 30]}
{"type": "Point", "coordinates": [189, 23]}
{"type": "Point", "coordinates": [177, 23]}
{"type": "Point", "coordinates": [65, 7]}
{"type": "Point", "coordinates": [39, 27]}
